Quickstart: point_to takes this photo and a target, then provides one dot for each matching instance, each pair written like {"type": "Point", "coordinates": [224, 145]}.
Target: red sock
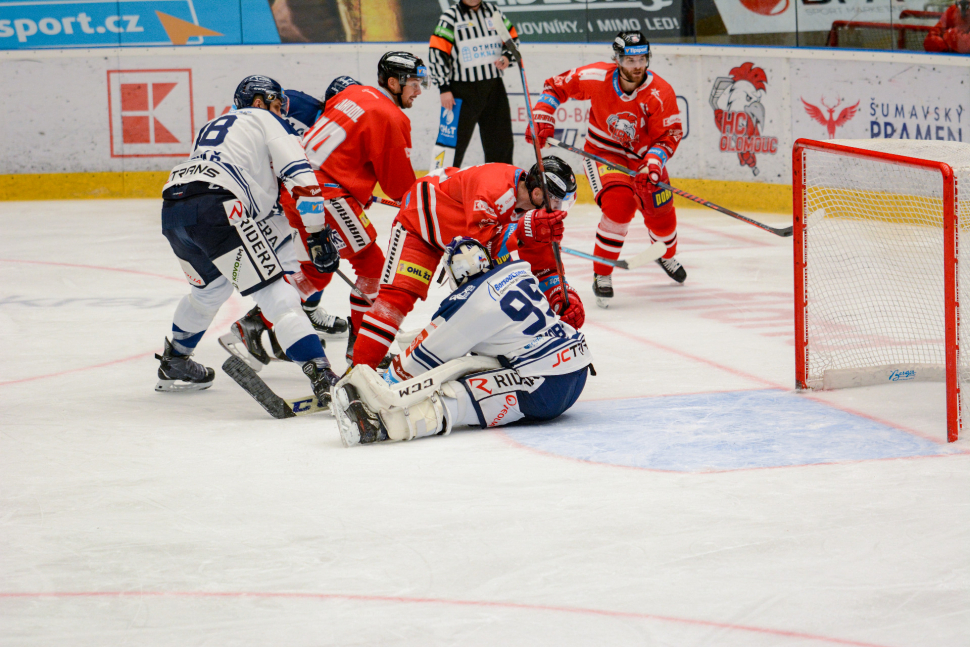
{"type": "Point", "coordinates": [380, 325]}
{"type": "Point", "coordinates": [619, 204]}
{"type": "Point", "coordinates": [367, 264]}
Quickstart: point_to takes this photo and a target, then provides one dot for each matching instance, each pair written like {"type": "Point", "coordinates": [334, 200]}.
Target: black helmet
{"type": "Point", "coordinates": [338, 85]}
{"type": "Point", "coordinates": [255, 86]}
{"type": "Point", "coordinates": [631, 43]}
{"type": "Point", "coordinates": [401, 66]}
{"type": "Point", "coordinates": [560, 180]}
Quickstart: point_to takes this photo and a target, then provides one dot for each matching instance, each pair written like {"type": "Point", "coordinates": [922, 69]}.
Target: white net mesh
{"type": "Point", "coordinates": [874, 258]}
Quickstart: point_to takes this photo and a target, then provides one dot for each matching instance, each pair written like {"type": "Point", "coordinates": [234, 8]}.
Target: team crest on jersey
{"type": "Point", "coordinates": [623, 128]}
{"type": "Point", "coordinates": [740, 115]}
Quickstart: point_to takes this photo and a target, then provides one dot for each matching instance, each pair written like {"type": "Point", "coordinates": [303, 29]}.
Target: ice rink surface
{"type": "Point", "coordinates": [690, 498]}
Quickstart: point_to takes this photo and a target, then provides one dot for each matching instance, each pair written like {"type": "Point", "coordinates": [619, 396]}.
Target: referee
{"type": "Point", "coordinates": [466, 62]}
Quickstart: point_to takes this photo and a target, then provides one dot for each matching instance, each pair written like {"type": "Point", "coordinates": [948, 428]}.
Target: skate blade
{"type": "Point", "coordinates": [175, 386]}
{"type": "Point", "coordinates": [603, 302]}
{"type": "Point", "coordinates": [349, 432]}
{"type": "Point", "coordinates": [235, 347]}
{"type": "Point", "coordinates": [335, 331]}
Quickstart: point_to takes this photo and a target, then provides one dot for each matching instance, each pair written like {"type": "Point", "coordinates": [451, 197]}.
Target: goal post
{"type": "Point", "coordinates": [877, 264]}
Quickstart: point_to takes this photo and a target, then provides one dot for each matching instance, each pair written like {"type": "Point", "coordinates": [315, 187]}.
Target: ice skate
{"type": "Point", "coordinates": [603, 289]}
{"type": "Point", "coordinates": [322, 378]}
{"type": "Point", "coordinates": [324, 323]}
{"type": "Point", "coordinates": [673, 268]}
{"type": "Point", "coordinates": [245, 341]}
{"type": "Point", "coordinates": [181, 373]}
{"type": "Point", "coordinates": [357, 424]}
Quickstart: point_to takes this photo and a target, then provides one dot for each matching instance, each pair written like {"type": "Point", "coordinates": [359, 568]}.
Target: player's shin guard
{"type": "Point", "coordinates": [380, 325]}
{"type": "Point", "coordinates": [195, 313]}
{"type": "Point", "coordinates": [619, 205]}
{"type": "Point", "coordinates": [280, 304]}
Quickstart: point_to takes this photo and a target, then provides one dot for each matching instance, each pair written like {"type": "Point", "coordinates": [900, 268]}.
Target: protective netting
{"type": "Point", "coordinates": [897, 36]}
{"type": "Point", "coordinates": [874, 258]}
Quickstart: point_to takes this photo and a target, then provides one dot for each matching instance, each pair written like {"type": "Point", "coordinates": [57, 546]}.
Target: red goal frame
{"type": "Point", "coordinates": [951, 243]}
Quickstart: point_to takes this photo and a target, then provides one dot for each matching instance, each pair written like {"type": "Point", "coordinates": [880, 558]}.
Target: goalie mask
{"type": "Point", "coordinates": [465, 258]}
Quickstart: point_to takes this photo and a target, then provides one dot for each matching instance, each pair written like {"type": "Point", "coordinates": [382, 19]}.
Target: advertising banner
{"type": "Point", "coordinates": [33, 24]}
{"type": "Point", "coordinates": [741, 108]}
{"type": "Point", "coordinates": [788, 16]}
{"type": "Point", "coordinates": [536, 20]}
{"type": "Point", "coordinates": [863, 100]}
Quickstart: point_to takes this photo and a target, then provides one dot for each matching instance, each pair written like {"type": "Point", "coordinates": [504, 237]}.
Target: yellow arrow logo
{"type": "Point", "coordinates": [180, 31]}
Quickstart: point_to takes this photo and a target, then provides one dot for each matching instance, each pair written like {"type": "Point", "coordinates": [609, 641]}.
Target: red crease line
{"type": "Point", "coordinates": [460, 603]}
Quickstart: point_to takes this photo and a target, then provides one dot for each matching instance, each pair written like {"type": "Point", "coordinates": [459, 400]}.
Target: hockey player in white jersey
{"type": "Point", "coordinates": [212, 203]}
{"type": "Point", "coordinates": [526, 365]}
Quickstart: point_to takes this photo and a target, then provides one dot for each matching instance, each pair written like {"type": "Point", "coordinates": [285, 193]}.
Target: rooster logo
{"type": "Point", "coordinates": [740, 115]}
{"type": "Point", "coordinates": [831, 124]}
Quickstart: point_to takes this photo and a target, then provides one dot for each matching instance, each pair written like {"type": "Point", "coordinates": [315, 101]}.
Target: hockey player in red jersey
{"type": "Point", "coordinates": [499, 205]}
{"type": "Point", "coordinates": [633, 121]}
{"type": "Point", "coordinates": [362, 139]}
{"type": "Point", "coordinates": [952, 32]}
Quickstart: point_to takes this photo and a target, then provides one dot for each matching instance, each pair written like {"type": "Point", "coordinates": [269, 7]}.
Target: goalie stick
{"type": "Point", "coordinates": [784, 232]}
{"type": "Point", "coordinates": [243, 375]}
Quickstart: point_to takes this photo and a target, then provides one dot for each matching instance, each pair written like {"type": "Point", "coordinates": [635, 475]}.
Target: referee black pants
{"type": "Point", "coordinates": [484, 103]}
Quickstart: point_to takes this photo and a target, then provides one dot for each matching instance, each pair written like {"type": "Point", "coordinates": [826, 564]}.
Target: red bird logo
{"type": "Point", "coordinates": [831, 124]}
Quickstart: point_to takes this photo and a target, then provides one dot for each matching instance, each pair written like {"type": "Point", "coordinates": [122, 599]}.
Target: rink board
{"type": "Point", "coordinates": [713, 432]}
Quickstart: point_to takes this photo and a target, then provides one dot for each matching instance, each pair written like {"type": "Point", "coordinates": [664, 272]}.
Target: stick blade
{"type": "Point", "coordinates": [648, 255]}
{"type": "Point", "coordinates": [786, 232]}
{"type": "Point", "coordinates": [243, 375]}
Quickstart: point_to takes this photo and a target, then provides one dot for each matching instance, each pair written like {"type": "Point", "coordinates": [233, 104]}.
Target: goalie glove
{"type": "Point", "coordinates": [541, 226]}
{"type": "Point", "coordinates": [575, 314]}
{"type": "Point", "coordinates": [545, 121]}
{"type": "Point", "coordinates": [322, 246]}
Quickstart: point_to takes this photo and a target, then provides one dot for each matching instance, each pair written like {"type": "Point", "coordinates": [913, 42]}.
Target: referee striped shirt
{"type": "Point", "coordinates": [464, 48]}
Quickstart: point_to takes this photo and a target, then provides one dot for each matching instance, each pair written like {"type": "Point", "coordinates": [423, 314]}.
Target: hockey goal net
{"type": "Point", "coordinates": [877, 264]}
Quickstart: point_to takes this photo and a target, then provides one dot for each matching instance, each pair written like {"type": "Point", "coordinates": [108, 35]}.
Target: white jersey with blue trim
{"type": "Point", "coordinates": [500, 314]}
{"type": "Point", "coordinates": [245, 152]}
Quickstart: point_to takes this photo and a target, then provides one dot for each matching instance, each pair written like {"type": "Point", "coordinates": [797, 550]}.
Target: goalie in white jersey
{"type": "Point", "coordinates": [526, 365]}
{"type": "Point", "coordinates": [213, 207]}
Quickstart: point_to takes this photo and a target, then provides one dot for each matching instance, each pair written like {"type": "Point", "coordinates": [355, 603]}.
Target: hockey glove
{"type": "Point", "coordinates": [575, 314]}
{"type": "Point", "coordinates": [541, 226]}
{"type": "Point", "coordinates": [312, 211]}
{"type": "Point", "coordinates": [545, 124]}
{"type": "Point", "coordinates": [323, 250]}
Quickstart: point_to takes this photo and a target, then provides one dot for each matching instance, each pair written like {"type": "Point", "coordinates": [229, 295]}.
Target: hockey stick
{"type": "Point", "coordinates": [784, 232]}
{"type": "Point", "coordinates": [506, 38]}
{"type": "Point", "coordinates": [353, 286]}
{"type": "Point", "coordinates": [385, 201]}
{"type": "Point", "coordinates": [243, 375]}
{"type": "Point", "coordinates": [651, 253]}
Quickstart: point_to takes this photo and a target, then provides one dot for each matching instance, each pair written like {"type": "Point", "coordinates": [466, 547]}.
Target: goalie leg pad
{"type": "Point", "coordinates": [426, 418]}
{"type": "Point", "coordinates": [376, 393]}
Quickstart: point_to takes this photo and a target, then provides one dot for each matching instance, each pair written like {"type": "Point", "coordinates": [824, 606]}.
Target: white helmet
{"type": "Point", "coordinates": [465, 258]}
